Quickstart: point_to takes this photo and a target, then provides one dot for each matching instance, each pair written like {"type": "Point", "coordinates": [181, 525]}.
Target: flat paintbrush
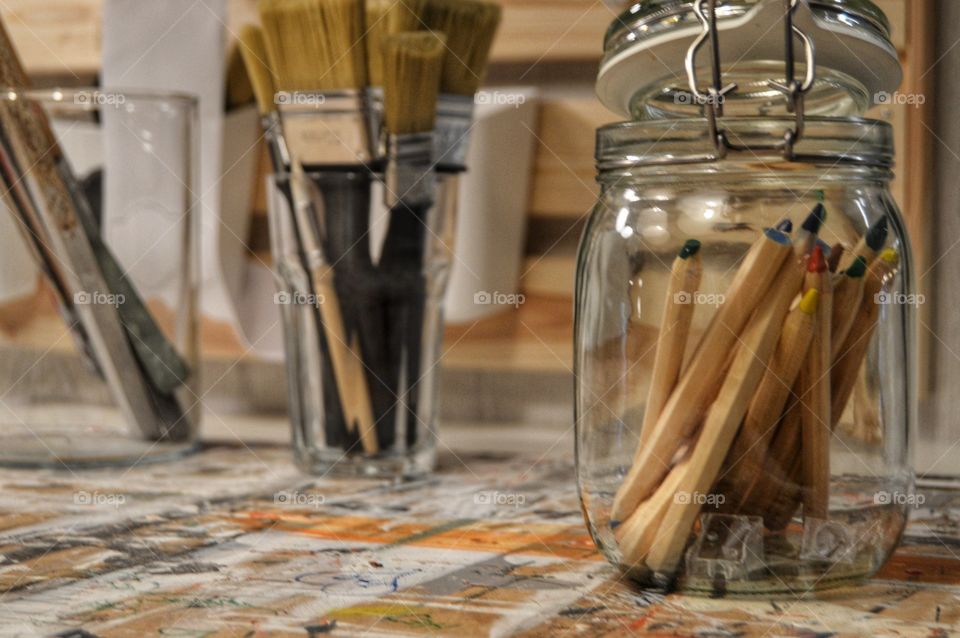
{"type": "Point", "coordinates": [318, 62]}
{"type": "Point", "coordinates": [470, 27]}
{"type": "Point", "coordinates": [304, 363]}
{"type": "Point", "coordinates": [412, 64]}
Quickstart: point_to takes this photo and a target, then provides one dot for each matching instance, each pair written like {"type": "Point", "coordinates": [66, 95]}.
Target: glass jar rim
{"type": "Point", "coordinates": [91, 98]}
{"type": "Point", "coordinates": [840, 141]}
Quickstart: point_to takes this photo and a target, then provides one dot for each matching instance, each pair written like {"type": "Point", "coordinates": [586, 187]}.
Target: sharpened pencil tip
{"type": "Point", "coordinates": [857, 269]}
{"type": "Point", "coordinates": [786, 226]}
{"type": "Point", "coordinates": [775, 235]}
{"type": "Point", "coordinates": [691, 248]}
{"type": "Point", "coordinates": [877, 235]}
{"type": "Point", "coordinates": [816, 219]}
{"type": "Point", "coordinates": [817, 263]}
{"type": "Point", "coordinates": [810, 302]}
{"type": "Point", "coordinates": [890, 256]}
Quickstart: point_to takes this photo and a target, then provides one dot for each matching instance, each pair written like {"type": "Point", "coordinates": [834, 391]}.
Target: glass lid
{"type": "Point", "coordinates": [643, 72]}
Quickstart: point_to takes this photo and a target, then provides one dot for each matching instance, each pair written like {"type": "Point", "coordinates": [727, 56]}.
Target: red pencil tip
{"type": "Point", "coordinates": [817, 263]}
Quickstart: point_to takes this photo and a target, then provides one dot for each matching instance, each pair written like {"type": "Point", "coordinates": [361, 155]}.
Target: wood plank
{"type": "Point", "coordinates": [56, 37]}
{"type": "Point", "coordinates": [564, 171]}
{"type": "Point", "coordinates": [550, 30]}
{"type": "Point", "coordinates": [537, 337]}
{"type": "Point", "coordinates": [549, 275]}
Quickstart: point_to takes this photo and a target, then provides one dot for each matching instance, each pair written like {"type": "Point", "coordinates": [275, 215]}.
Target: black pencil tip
{"type": "Point", "coordinates": [691, 248]}
{"type": "Point", "coordinates": [877, 235]}
{"type": "Point", "coordinates": [786, 226]}
{"type": "Point", "coordinates": [816, 219]}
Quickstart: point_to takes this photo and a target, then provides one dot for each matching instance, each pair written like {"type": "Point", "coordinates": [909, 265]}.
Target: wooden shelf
{"type": "Point", "coordinates": [536, 337]}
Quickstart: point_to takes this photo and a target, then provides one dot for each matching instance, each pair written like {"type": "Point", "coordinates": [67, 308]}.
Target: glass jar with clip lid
{"type": "Point", "coordinates": [744, 371]}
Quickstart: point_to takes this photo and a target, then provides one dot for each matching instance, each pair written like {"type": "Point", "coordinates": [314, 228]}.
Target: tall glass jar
{"type": "Point", "coordinates": [744, 354]}
{"type": "Point", "coordinates": [99, 357]}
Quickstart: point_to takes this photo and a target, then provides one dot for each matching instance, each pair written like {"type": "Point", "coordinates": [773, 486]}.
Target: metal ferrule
{"type": "Point", "coordinates": [375, 118]}
{"type": "Point", "coordinates": [329, 128]}
{"type": "Point", "coordinates": [454, 121]}
{"type": "Point", "coordinates": [409, 177]}
{"type": "Point", "coordinates": [276, 144]}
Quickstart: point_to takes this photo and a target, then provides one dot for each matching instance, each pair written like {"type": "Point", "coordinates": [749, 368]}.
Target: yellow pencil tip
{"type": "Point", "coordinates": [890, 256]}
{"type": "Point", "coordinates": [810, 302]}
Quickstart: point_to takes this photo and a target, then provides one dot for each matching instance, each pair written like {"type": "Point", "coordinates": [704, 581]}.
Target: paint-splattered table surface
{"type": "Point", "coordinates": [234, 542]}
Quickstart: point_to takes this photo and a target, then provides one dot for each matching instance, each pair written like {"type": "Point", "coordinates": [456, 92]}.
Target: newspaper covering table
{"type": "Point", "coordinates": [234, 541]}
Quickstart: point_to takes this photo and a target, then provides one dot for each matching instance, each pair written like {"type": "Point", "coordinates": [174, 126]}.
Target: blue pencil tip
{"type": "Point", "coordinates": [786, 226]}
{"type": "Point", "coordinates": [777, 236]}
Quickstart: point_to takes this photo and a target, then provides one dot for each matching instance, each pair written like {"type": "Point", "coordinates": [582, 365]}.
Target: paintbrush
{"type": "Point", "coordinates": [143, 370]}
{"type": "Point", "coordinates": [301, 320]}
{"type": "Point", "coordinates": [318, 63]}
{"type": "Point", "coordinates": [470, 27]}
{"type": "Point", "coordinates": [384, 18]}
{"type": "Point", "coordinates": [412, 64]}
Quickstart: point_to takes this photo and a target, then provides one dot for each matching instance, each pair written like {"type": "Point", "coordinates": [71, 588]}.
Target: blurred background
{"type": "Point", "coordinates": [508, 344]}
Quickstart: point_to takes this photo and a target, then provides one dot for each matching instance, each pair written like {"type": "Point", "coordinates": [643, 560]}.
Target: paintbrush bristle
{"type": "Point", "coordinates": [412, 64]}
{"type": "Point", "coordinates": [253, 49]}
{"type": "Point", "coordinates": [470, 26]}
{"type": "Point", "coordinates": [239, 85]}
{"type": "Point", "coordinates": [383, 18]}
{"type": "Point", "coordinates": [315, 45]}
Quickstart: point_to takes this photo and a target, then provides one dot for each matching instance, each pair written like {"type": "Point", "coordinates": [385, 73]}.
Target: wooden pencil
{"type": "Point", "coordinates": [807, 235]}
{"type": "Point", "coordinates": [761, 497]}
{"type": "Point", "coordinates": [745, 460]}
{"type": "Point", "coordinates": [700, 381]}
{"type": "Point", "coordinates": [847, 295]}
{"type": "Point", "coordinates": [854, 349]}
{"type": "Point", "coordinates": [870, 244]}
{"type": "Point", "coordinates": [637, 534]}
{"type": "Point", "coordinates": [678, 312]}
{"type": "Point", "coordinates": [757, 345]}
{"type": "Point", "coordinates": [836, 256]}
{"type": "Point", "coordinates": [814, 381]}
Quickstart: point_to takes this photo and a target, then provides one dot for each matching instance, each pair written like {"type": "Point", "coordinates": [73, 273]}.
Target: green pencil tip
{"type": "Point", "coordinates": [857, 269]}
{"type": "Point", "coordinates": [691, 248]}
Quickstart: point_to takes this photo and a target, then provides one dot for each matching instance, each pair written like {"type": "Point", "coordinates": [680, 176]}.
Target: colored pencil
{"type": "Point", "coordinates": [814, 382]}
{"type": "Point", "coordinates": [678, 312]}
{"type": "Point", "coordinates": [757, 345]}
{"type": "Point", "coordinates": [745, 460]}
{"type": "Point", "coordinates": [700, 382]}
{"type": "Point", "coordinates": [870, 244]}
{"type": "Point", "coordinates": [807, 235]}
{"type": "Point", "coordinates": [854, 350]}
{"type": "Point", "coordinates": [847, 296]}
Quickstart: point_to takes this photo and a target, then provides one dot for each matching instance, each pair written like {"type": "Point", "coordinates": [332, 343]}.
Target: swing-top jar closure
{"type": "Point", "coordinates": [644, 73]}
